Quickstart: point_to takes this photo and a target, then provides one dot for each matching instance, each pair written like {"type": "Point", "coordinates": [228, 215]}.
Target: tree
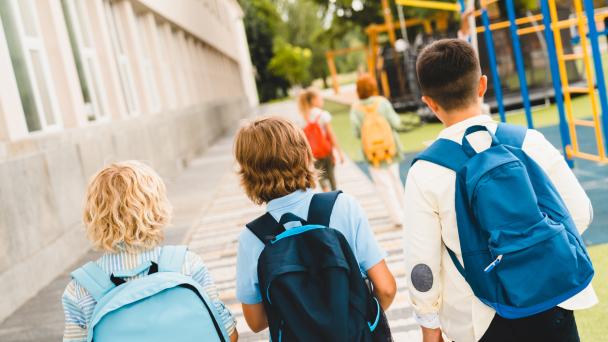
{"type": "Point", "coordinates": [262, 22]}
{"type": "Point", "coordinates": [305, 28]}
{"type": "Point", "coordinates": [291, 63]}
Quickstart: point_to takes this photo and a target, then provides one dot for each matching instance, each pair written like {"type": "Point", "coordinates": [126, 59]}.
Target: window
{"type": "Point", "coordinates": [165, 65]}
{"type": "Point", "coordinates": [148, 65]}
{"type": "Point", "coordinates": [122, 60]}
{"type": "Point", "coordinates": [30, 64]}
{"type": "Point", "coordinates": [170, 43]}
{"type": "Point", "coordinates": [85, 56]}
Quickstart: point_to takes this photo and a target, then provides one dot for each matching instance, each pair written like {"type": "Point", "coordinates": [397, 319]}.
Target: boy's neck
{"type": "Point", "coordinates": [461, 115]}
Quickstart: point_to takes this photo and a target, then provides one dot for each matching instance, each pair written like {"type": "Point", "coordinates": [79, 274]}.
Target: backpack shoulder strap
{"type": "Point", "coordinates": [321, 206]}
{"type": "Point", "coordinates": [172, 258]}
{"type": "Point", "coordinates": [265, 228]}
{"type": "Point", "coordinates": [511, 135]}
{"type": "Point", "coordinates": [93, 279]}
{"type": "Point", "coordinates": [456, 262]}
{"type": "Point", "coordinates": [444, 152]}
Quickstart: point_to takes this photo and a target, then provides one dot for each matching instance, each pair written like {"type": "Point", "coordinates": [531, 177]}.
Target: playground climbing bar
{"type": "Point", "coordinates": [584, 21]}
{"type": "Point", "coordinates": [485, 18]}
{"type": "Point", "coordinates": [519, 63]}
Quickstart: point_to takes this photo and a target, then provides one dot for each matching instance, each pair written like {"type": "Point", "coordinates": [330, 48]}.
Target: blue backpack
{"type": "Point", "coordinates": [164, 305]}
{"type": "Point", "coordinates": [310, 280]}
{"type": "Point", "coordinates": [521, 250]}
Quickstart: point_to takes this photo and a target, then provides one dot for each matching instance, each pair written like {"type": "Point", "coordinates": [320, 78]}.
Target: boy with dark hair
{"type": "Point", "coordinates": [453, 88]}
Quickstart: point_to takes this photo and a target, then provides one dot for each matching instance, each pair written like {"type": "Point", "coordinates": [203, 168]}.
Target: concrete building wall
{"type": "Point", "coordinates": [153, 80]}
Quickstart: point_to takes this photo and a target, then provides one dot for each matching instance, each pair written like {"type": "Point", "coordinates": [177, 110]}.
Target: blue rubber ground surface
{"type": "Point", "coordinates": [593, 177]}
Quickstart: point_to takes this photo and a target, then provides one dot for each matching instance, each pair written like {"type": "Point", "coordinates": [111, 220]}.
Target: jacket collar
{"type": "Point", "coordinates": [456, 131]}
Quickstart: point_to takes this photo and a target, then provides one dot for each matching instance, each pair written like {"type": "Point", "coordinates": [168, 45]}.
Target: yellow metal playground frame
{"type": "Point", "coordinates": [371, 51]}
{"type": "Point", "coordinates": [568, 122]}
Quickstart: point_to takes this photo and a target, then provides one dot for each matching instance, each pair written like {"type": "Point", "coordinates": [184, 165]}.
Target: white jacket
{"type": "Point", "coordinates": [439, 294]}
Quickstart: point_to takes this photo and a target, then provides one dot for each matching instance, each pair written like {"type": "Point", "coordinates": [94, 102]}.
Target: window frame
{"type": "Point", "coordinates": [148, 67]}
{"type": "Point", "coordinates": [123, 63]}
{"type": "Point", "coordinates": [86, 53]}
{"type": "Point", "coordinates": [29, 44]}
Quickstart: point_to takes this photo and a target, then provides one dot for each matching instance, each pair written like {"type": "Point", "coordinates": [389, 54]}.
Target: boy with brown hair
{"type": "Point", "coordinates": [453, 88]}
{"type": "Point", "coordinates": [276, 167]}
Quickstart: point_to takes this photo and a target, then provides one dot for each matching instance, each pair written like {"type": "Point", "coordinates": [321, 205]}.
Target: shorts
{"type": "Point", "coordinates": [327, 177]}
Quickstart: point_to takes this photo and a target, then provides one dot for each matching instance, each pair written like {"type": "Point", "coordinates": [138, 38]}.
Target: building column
{"type": "Point", "coordinates": [148, 28]}
{"type": "Point", "coordinates": [62, 64]}
{"type": "Point", "coordinates": [246, 68]}
{"type": "Point", "coordinates": [133, 49]}
{"type": "Point", "coordinates": [117, 106]}
{"type": "Point", "coordinates": [12, 119]}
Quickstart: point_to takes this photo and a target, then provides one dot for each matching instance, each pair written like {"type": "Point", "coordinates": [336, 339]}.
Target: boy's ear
{"type": "Point", "coordinates": [483, 86]}
{"type": "Point", "coordinates": [431, 104]}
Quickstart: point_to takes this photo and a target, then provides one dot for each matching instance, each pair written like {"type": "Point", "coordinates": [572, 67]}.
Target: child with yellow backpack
{"type": "Point", "coordinates": [375, 122]}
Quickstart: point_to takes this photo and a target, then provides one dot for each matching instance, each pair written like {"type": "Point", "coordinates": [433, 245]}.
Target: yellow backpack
{"type": "Point", "coordinates": [377, 135]}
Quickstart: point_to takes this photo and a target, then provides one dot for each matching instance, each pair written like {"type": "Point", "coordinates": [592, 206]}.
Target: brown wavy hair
{"type": "Point", "coordinates": [126, 208]}
{"type": "Point", "coordinates": [274, 158]}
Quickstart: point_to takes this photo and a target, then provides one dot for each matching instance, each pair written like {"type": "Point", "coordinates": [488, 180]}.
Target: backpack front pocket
{"type": "Point", "coordinates": [536, 273]}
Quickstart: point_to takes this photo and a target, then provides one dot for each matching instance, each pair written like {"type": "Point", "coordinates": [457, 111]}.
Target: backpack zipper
{"type": "Point", "coordinates": [493, 264]}
{"type": "Point", "coordinates": [281, 331]}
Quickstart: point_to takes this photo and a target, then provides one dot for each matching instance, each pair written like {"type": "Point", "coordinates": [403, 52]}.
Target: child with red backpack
{"type": "Point", "coordinates": [320, 136]}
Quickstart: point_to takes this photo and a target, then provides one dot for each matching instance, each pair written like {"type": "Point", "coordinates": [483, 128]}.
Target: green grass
{"type": "Point", "coordinates": [414, 139]}
{"type": "Point", "coordinates": [592, 322]}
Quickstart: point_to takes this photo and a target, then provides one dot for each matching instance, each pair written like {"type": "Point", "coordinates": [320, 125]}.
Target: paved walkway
{"type": "Point", "coordinates": [41, 318]}
{"type": "Point", "coordinates": [215, 239]}
{"type": "Point", "coordinates": [210, 211]}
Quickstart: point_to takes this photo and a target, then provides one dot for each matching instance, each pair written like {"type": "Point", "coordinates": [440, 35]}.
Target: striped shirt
{"type": "Point", "coordinates": [78, 304]}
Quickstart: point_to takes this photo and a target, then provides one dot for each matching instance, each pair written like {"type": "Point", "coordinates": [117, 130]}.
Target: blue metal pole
{"type": "Point", "coordinates": [519, 63]}
{"type": "Point", "coordinates": [493, 67]}
{"type": "Point", "coordinates": [556, 79]}
{"type": "Point", "coordinates": [599, 70]}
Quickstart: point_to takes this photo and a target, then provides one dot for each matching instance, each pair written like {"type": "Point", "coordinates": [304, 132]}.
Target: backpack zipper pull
{"type": "Point", "coordinates": [493, 264]}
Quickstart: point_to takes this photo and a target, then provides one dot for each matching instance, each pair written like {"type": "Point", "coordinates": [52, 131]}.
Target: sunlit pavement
{"type": "Point", "coordinates": [210, 211]}
{"type": "Point", "coordinates": [215, 239]}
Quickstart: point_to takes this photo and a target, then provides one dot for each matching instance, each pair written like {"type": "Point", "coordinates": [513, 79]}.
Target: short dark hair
{"type": "Point", "coordinates": [448, 72]}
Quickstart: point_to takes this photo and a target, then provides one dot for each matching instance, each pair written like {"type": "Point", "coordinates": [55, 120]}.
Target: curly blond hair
{"type": "Point", "coordinates": [126, 208]}
{"type": "Point", "coordinates": [274, 158]}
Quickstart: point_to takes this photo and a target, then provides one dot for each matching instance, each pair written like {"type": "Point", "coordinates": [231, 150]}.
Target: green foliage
{"type": "Point", "coordinates": [304, 28]}
{"type": "Point", "coordinates": [359, 12]}
{"type": "Point", "coordinates": [262, 22]}
{"type": "Point", "coordinates": [291, 63]}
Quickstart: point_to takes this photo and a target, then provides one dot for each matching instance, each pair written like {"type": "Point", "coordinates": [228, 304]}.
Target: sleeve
{"type": "Point", "coordinates": [367, 250]}
{"type": "Point", "coordinates": [391, 116]}
{"type": "Point", "coordinates": [325, 117]}
{"type": "Point", "coordinates": [571, 191]}
{"type": "Point", "coordinates": [355, 121]}
{"type": "Point", "coordinates": [202, 276]}
{"type": "Point", "coordinates": [247, 286]}
{"type": "Point", "coordinates": [75, 329]}
{"type": "Point", "coordinates": [423, 249]}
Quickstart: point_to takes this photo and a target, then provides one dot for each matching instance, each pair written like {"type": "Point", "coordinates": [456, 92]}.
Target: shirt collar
{"type": "Point", "coordinates": [456, 131]}
{"type": "Point", "coordinates": [288, 200]}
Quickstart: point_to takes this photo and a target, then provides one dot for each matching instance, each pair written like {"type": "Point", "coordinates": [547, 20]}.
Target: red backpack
{"type": "Point", "coordinates": [318, 140]}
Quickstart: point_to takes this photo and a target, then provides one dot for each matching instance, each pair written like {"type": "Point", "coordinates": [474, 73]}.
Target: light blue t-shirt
{"type": "Point", "coordinates": [347, 216]}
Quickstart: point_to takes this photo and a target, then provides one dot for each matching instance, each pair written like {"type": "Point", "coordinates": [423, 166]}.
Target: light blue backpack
{"type": "Point", "coordinates": [521, 250]}
{"type": "Point", "coordinates": [164, 305]}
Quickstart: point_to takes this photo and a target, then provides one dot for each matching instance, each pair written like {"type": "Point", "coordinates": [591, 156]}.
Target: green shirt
{"type": "Point", "coordinates": [385, 108]}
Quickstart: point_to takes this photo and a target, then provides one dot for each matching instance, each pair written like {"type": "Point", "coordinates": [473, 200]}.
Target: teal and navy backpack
{"type": "Point", "coordinates": [521, 250]}
{"type": "Point", "coordinates": [164, 305]}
